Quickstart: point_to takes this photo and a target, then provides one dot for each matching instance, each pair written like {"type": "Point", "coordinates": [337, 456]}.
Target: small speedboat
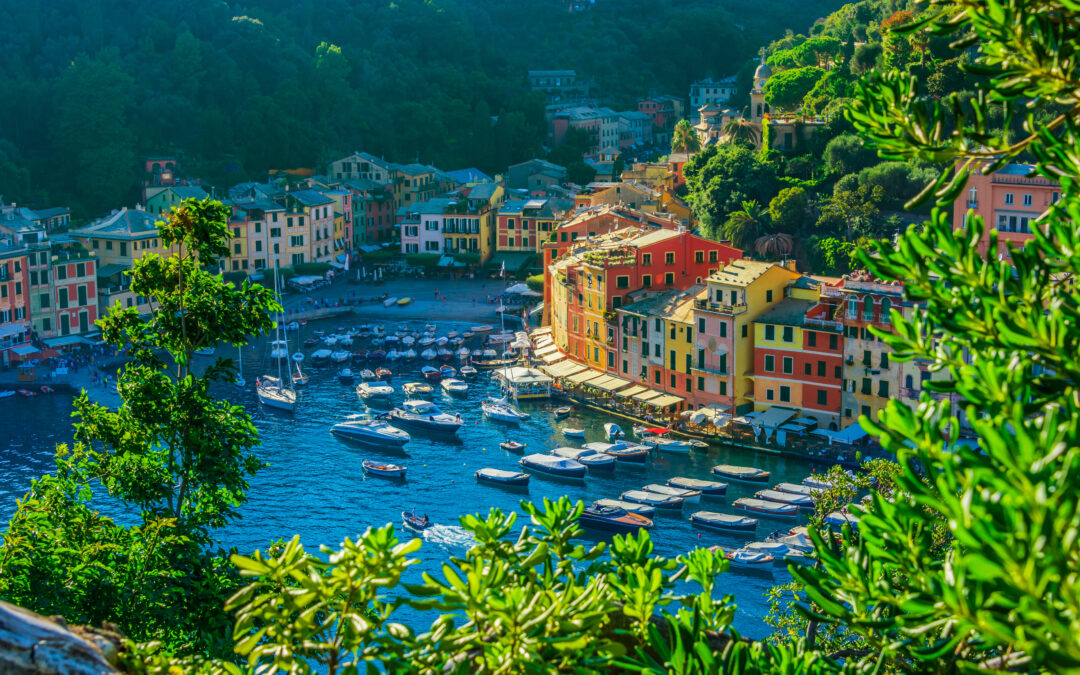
{"type": "Point", "coordinates": [512, 446]}
{"type": "Point", "coordinates": [311, 342]}
{"type": "Point", "coordinates": [345, 376]}
{"type": "Point", "coordinates": [383, 470]}
{"type": "Point", "coordinates": [374, 390]}
{"type": "Point", "coordinates": [816, 483]}
{"type": "Point", "coordinates": [467, 371]}
{"type": "Point", "coordinates": [389, 302]}
{"type": "Point", "coordinates": [593, 460]}
{"type": "Point", "coordinates": [573, 433]}
{"type": "Point", "coordinates": [553, 466]}
{"type": "Point", "coordinates": [340, 356]}
{"type": "Point", "coordinates": [417, 389]}
{"type": "Point", "coordinates": [484, 328]}
{"type": "Point", "coordinates": [415, 522]}
{"type": "Point", "coordinates": [452, 386]}
{"type": "Point", "coordinates": [501, 410]}
{"type": "Point", "coordinates": [359, 356]}
{"type": "Point", "coordinates": [365, 429]}
{"type": "Point", "coordinates": [376, 355]}
{"type": "Point", "coordinates": [562, 413]}
{"type": "Point", "coordinates": [383, 373]}
{"type": "Point", "coordinates": [691, 496]}
{"type": "Point", "coordinates": [745, 474]}
{"type": "Point", "coordinates": [766, 508]}
{"type": "Point", "coordinates": [632, 507]}
{"type": "Point", "coordinates": [802, 501]}
{"type": "Point", "coordinates": [612, 519]}
{"type": "Point", "coordinates": [669, 445]}
{"type": "Point", "coordinates": [428, 354]}
{"type": "Point", "coordinates": [431, 373]}
{"type": "Point", "coordinates": [663, 502]}
{"type": "Point", "coordinates": [7, 393]}
{"type": "Point", "coordinates": [613, 431]}
{"type": "Point", "coordinates": [424, 416]}
{"type": "Point", "coordinates": [747, 558]}
{"type": "Point", "coordinates": [447, 371]}
{"type": "Point", "coordinates": [321, 355]}
{"type": "Point", "coordinates": [708, 488]}
{"type": "Point", "coordinates": [723, 521]}
{"type": "Point", "coordinates": [26, 393]}
{"type": "Point", "coordinates": [366, 374]}
{"type": "Point", "coordinates": [622, 451]}
{"type": "Point", "coordinates": [501, 477]}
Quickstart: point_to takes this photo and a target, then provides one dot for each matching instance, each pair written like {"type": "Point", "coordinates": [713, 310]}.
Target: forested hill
{"type": "Point", "coordinates": [91, 86]}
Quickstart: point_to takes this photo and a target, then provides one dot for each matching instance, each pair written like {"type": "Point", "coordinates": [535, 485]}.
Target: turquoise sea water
{"type": "Point", "coordinates": [314, 485]}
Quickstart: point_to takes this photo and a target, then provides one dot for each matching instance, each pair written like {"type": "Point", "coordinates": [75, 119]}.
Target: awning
{"type": "Point", "coordinates": [553, 357]}
{"type": "Point", "coordinates": [566, 369]}
{"type": "Point", "coordinates": [547, 349]}
{"type": "Point", "coordinates": [546, 330]}
{"type": "Point", "coordinates": [13, 329]}
{"type": "Point", "coordinates": [847, 435]}
{"type": "Point", "coordinates": [584, 376]}
{"type": "Point", "coordinates": [25, 350]}
{"type": "Point", "coordinates": [646, 395]}
{"type": "Point", "coordinates": [774, 417]}
{"type": "Point", "coordinates": [627, 393]}
{"type": "Point", "coordinates": [514, 260]}
{"type": "Point", "coordinates": [336, 265]}
{"type": "Point", "coordinates": [65, 341]}
{"type": "Point", "coordinates": [109, 270]}
{"type": "Point", "coordinates": [664, 400]}
{"type": "Point", "coordinates": [611, 384]}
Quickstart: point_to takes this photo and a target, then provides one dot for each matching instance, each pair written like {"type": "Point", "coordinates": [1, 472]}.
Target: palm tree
{"type": "Point", "coordinates": [743, 227]}
{"type": "Point", "coordinates": [739, 129]}
{"type": "Point", "coordinates": [775, 245]}
{"type": "Point", "coordinates": [685, 138]}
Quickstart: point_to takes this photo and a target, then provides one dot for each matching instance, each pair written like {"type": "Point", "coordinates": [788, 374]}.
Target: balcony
{"type": "Point", "coordinates": [1008, 179]}
{"type": "Point", "coordinates": [873, 287]}
{"type": "Point", "coordinates": [826, 324]}
{"type": "Point", "coordinates": [714, 371]}
{"type": "Point", "coordinates": [973, 203]}
{"type": "Point", "coordinates": [831, 291]}
{"type": "Point", "coordinates": [720, 307]}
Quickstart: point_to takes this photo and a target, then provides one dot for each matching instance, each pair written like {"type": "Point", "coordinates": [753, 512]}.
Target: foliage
{"type": "Point", "coordinates": [422, 259]}
{"type": "Point", "coordinates": [830, 255]}
{"type": "Point", "coordinates": [834, 86]}
{"type": "Point", "coordinates": [171, 453]}
{"type": "Point", "coordinates": [536, 283]}
{"type": "Point", "coordinates": [721, 177]}
{"type": "Point", "coordinates": [847, 154]}
{"type": "Point", "coordinates": [311, 269]}
{"type": "Point", "coordinates": [774, 245]}
{"type": "Point", "coordinates": [785, 90]}
{"type": "Point", "coordinates": [866, 58]}
{"type": "Point", "coordinates": [816, 51]}
{"type": "Point", "coordinates": [685, 138]}
{"type": "Point", "coordinates": [744, 226]}
{"type": "Point", "coordinates": [857, 211]}
{"type": "Point", "coordinates": [740, 130]}
{"type": "Point", "coordinates": [789, 209]}
{"type": "Point", "coordinates": [899, 181]}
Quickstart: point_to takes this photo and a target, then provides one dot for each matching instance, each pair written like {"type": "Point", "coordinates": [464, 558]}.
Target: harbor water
{"type": "Point", "coordinates": [314, 485]}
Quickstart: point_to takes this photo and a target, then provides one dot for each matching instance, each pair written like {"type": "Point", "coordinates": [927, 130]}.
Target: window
{"type": "Point", "coordinates": [852, 308]}
{"type": "Point", "coordinates": [866, 386]}
{"type": "Point", "coordinates": [770, 332]}
{"type": "Point", "coordinates": [669, 258]}
{"type": "Point", "coordinates": [108, 245]}
{"type": "Point", "coordinates": [275, 231]}
{"type": "Point", "coordinates": [832, 342]}
{"type": "Point", "coordinates": [770, 394]}
{"type": "Point", "coordinates": [671, 379]}
{"type": "Point", "coordinates": [734, 298]}
{"type": "Point", "coordinates": [689, 362]}
{"type": "Point", "coordinates": [671, 360]}
{"type": "Point", "coordinates": [886, 306]}
{"type": "Point", "coordinates": [700, 384]}
{"type": "Point", "coordinates": [785, 394]}
{"type": "Point", "coordinates": [808, 368]}
{"type": "Point", "coordinates": [622, 282]}
{"type": "Point", "coordinates": [723, 388]}
{"type": "Point", "coordinates": [656, 351]}
{"type": "Point", "coordinates": [744, 330]}
{"type": "Point", "coordinates": [768, 296]}
{"type": "Point", "coordinates": [789, 334]}
{"type": "Point", "coordinates": [82, 294]}
{"type": "Point", "coordinates": [1008, 199]}
{"type": "Point", "coordinates": [837, 372]}
{"type": "Point", "coordinates": [811, 339]}
{"type": "Point", "coordinates": [80, 270]}
{"type": "Point", "coordinates": [646, 259]}
{"type": "Point", "coordinates": [723, 329]}
{"type": "Point", "coordinates": [866, 358]}
{"type": "Point", "coordinates": [62, 297]}
{"type": "Point", "coordinates": [258, 245]}
{"type": "Point", "coordinates": [866, 410]}
{"type": "Point", "coordinates": [44, 299]}
{"type": "Point", "coordinates": [884, 360]}
{"type": "Point", "coordinates": [699, 257]}
{"type": "Point", "coordinates": [788, 364]}
{"type": "Point", "coordinates": [61, 272]}
{"type": "Point", "coordinates": [770, 363]}
{"type": "Point", "coordinates": [1027, 199]}
{"type": "Point", "coordinates": [701, 326]}
{"type": "Point", "coordinates": [646, 281]}
{"type": "Point", "coordinates": [821, 368]}
{"type": "Point", "coordinates": [33, 278]}
{"type": "Point", "coordinates": [625, 366]}
{"type": "Point", "coordinates": [868, 309]}
{"type": "Point", "coordinates": [883, 388]}
{"type": "Point", "coordinates": [723, 364]}
{"type": "Point", "coordinates": [712, 256]}
{"type": "Point", "coordinates": [822, 397]}
{"type": "Point", "coordinates": [669, 279]}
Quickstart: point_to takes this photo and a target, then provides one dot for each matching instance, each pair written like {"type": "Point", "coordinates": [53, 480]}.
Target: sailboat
{"type": "Point", "coordinates": [272, 391]}
{"type": "Point", "coordinates": [501, 408]}
{"type": "Point", "coordinates": [240, 381]}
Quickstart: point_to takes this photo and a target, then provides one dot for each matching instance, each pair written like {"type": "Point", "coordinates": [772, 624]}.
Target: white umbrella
{"type": "Point", "coordinates": [520, 289]}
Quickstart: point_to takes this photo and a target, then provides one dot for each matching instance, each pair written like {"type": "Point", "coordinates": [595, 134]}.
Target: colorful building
{"type": "Point", "coordinates": [14, 303]}
{"type": "Point", "coordinates": [413, 183]}
{"type": "Point", "coordinates": [63, 289]}
{"type": "Point", "coordinates": [117, 241]}
{"type": "Point", "coordinates": [594, 221]}
{"type": "Point", "coordinates": [162, 201]}
{"type": "Point", "coordinates": [871, 377]}
{"type": "Point", "coordinates": [309, 226]}
{"type": "Point", "coordinates": [525, 224]}
{"type": "Point", "coordinates": [362, 166]}
{"type": "Point", "coordinates": [373, 212]}
{"type": "Point", "coordinates": [1009, 201]}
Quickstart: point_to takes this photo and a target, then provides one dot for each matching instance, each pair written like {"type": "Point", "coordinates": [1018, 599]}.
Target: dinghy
{"type": "Point", "coordinates": [501, 477]}
{"type": "Point", "coordinates": [689, 496]}
{"type": "Point", "coordinates": [383, 470]}
{"type": "Point", "coordinates": [724, 522]}
{"type": "Point", "coordinates": [653, 499]}
{"type": "Point", "coordinates": [613, 431]}
{"type": "Point", "coordinates": [562, 413]}
{"type": "Point", "coordinates": [594, 461]}
{"type": "Point", "coordinates": [573, 433]}
{"type": "Point", "coordinates": [766, 508]}
{"type": "Point", "coordinates": [554, 466]}
{"type": "Point", "coordinates": [632, 507]}
{"type": "Point", "coordinates": [708, 488]}
{"type": "Point", "coordinates": [415, 522]}
{"type": "Point", "coordinates": [745, 474]}
{"type": "Point", "coordinates": [802, 501]}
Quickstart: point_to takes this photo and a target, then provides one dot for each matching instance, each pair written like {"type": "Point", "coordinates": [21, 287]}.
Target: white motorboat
{"type": "Point", "coordinates": [274, 394]}
{"type": "Point", "coordinates": [340, 356]}
{"type": "Point", "coordinates": [463, 353]}
{"type": "Point", "coordinates": [780, 551]}
{"type": "Point", "coordinates": [346, 376]}
{"type": "Point", "coordinates": [345, 341]}
{"type": "Point", "coordinates": [383, 470]}
{"type": "Point", "coordinates": [330, 340]}
{"type": "Point", "coordinates": [408, 341]}
{"type": "Point", "coordinates": [766, 508]}
{"type": "Point", "coordinates": [747, 558]}
{"type": "Point", "coordinates": [501, 477]}
{"type": "Point", "coordinates": [393, 355]}
{"type": "Point", "coordinates": [410, 354]}
{"type": "Point", "coordinates": [796, 489]}
{"type": "Point", "coordinates": [454, 386]}
{"type": "Point", "coordinates": [632, 507]}
{"type": "Point", "coordinates": [424, 416]}
{"type": "Point", "coordinates": [653, 499]}
{"type": "Point", "coordinates": [428, 354]}
{"type": "Point", "coordinates": [593, 461]}
{"type": "Point", "coordinates": [374, 390]}
{"type": "Point", "coordinates": [415, 388]}
{"type": "Point", "coordinates": [692, 496]}
{"type": "Point", "coordinates": [367, 374]}
{"type": "Point", "coordinates": [745, 474]}
{"type": "Point", "coordinates": [724, 522]}
{"type": "Point", "coordinates": [708, 488]}
{"type": "Point", "coordinates": [370, 431]}
{"type": "Point", "coordinates": [389, 302]}
{"type": "Point", "coordinates": [816, 483]}
{"type": "Point", "coordinates": [802, 501]}
{"type": "Point", "coordinates": [279, 349]}
{"type": "Point", "coordinates": [321, 355]}
{"type": "Point", "coordinates": [613, 431]}
{"type": "Point", "coordinates": [573, 433]}
{"type": "Point", "coordinates": [669, 445]}
{"type": "Point", "coordinates": [502, 411]}
{"type": "Point", "coordinates": [554, 466]}
{"type": "Point", "coordinates": [467, 371]}
{"type": "Point", "coordinates": [622, 451]}
{"type": "Point", "coordinates": [441, 341]}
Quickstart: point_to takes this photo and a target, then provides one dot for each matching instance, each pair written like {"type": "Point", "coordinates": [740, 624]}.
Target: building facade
{"type": "Point", "coordinates": [1010, 201]}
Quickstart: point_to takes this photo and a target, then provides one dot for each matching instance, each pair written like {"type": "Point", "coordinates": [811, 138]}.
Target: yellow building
{"type": "Point", "coordinates": [679, 343]}
{"type": "Point", "coordinates": [469, 224]}
{"type": "Point", "coordinates": [118, 240]}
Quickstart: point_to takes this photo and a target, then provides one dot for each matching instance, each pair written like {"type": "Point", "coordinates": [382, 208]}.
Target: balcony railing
{"type": "Point", "coordinates": [831, 292]}
{"type": "Point", "coordinates": [714, 371]}
{"type": "Point", "coordinates": [973, 203]}
{"type": "Point", "coordinates": [1021, 180]}
{"type": "Point", "coordinates": [720, 307]}
{"type": "Point", "coordinates": [827, 324]}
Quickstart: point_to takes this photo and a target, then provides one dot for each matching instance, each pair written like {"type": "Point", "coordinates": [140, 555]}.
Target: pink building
{"type": "Point", "coordinates": [1009, 201]}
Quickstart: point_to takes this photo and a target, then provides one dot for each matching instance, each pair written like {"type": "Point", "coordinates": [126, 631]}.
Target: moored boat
{"type": "Point", "coordinates": [612, 519]}
{"type": "Point", "coordinates": [816, 483]}
{"type": "Point", "coordinates": [750, 559]}
{"type": "Point", "coordinates": [366, 374]}
{"type": "Point", "coordinates": [374, 390]}
{"type": "Point", "coordinates": [383, 373]}
{"type": "Point", "coordinates": [563, 412]}
{"type": "Point", "coordinates": [708, 488]}
{"type": "Point", "coordinates": [404, 301]}
{"type": "Point", "coordinates": [669, 445]}
{"type": "Point", "coordinates": [389, 302]}
{"type": "Point", "coordinates": [321, 355]}
{"type": "Point", "coordinates": [663, 502]}
{"type": "Point", "coordinates": [345, 376]}
{"type": "Point", "coordinates": [382, 470]}
{"type": "Point", "coordinates": [632, 507]}
{"type": "Point", "coordinates": [365, 429]}
{"type": "Point", "coordinates": [723, 521]}
{"type": "Point", "coordinates": [745, 474]}
{"type": "Point", "coordinates": [594, 461]}
{"type": "Point", "coordinates": [766, 508]}
{"type": "Point", "coordinates": [467, 371]}
{"type": "Point", "coordinates": [424, 416]}
{"type": "Point", "coordinates": [501, 410]}
{"type": "Point", "coordinates": [512, 446]}
{"type": "Point", "coordinates": [431, 373]}
{"type": "Point", "coordinates": [453, 386]}
{"type": "Point", "coordinates": [613, 431]}
{"type": "Point", "coordinates": [689, 496]}
{"type": "Point", "coordinates": [447, 371]}
{"type": "Point", "coordinates": [417, 389]}
{"type": "Point", "coordinates": [573, 433]}
{"type": "Point", "coordinates": [622, 451]}
{"type": "Point", "coordinates": [802, 501]}
{"type": "Point", "coordinates": [274, 394]}
{"type": "Point", "coordinates": [340, 356]}
{"type": "Point", "coordinates": [502, 477]}
{"type": "Point", "coordinates": [795, 489]}
{"type": "Point", "coordinates": [553, 466]}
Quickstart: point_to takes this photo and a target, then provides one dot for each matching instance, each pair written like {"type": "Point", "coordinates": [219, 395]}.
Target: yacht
{"type": "Point", "coordinates": [368, 430]}
{"type": "Point", "coordinates": [374, 390]}
{"type": "Point", "coordinates": [279, 349]}
{"type": "Point", "coordinates": [453, 386]}
{"type": "Point", "coordinates": [424, 416]}
{"type": "Point", "coordinates": [272, 393]}
{"type": "Point", "coordinates": [612, 519]}
{"type": "Point", "coordinates": [502, 411]}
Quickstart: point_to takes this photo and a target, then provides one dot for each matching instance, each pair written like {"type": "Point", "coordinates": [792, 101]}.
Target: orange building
{"type": "Point", "coordinates": [1009, 201]}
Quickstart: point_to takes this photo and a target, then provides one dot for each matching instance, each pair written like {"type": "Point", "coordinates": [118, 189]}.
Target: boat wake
{"type": "Point", "coordinates": [449, 536]}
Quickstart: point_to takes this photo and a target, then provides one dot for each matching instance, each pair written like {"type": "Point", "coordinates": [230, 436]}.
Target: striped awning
{"type": "Point", "coordinates": [627, 393]}
{"type": "Point", "coordinates": [540, 351]}
{"type": "Point", "coordinates": [664, 400]}
{"type": "Point", "coordinates": [553, 356]}
{"type": "Point", "coordinates": [565, 369]}
{"type": "Point", "coordinates": [646, 395]}
{"type": "Point", "coordinates": [584, 376]}
{"type": "Point", "coordinates": [610, 384]}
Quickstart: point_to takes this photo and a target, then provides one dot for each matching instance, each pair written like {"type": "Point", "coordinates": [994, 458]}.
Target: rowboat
{"type": "Point", "coordinates": [415, 522]}
{"type": "Point", "coordinates": [431, 373]}
{"type": "Point", "coordinates": [404, 301]}
{"type": "Point", "coordinates": [653, 499]}
{"type": "Point", "coordinates": [501, 477]}
{"type": "Point", "coordinates": [389, 302]}
{"type": "Point", "coordinates": [612, 519]}
{"type": "Point", "coordinates": [417, 388]}
{"type": "Point", "coordinates": [632, 507]}
{"type": "Point", "coordinates": [708, 488]}
{"type": "Point", "coordinates": [562, 413]}
{"type": "Point", "coordinates": [746, 558]}
{"type": "Point", "coordinates": [766, 508]}
{"type": "Point", "coordinates": [554, 466]}
{"type": "Point", "coordinates": [745, 474]}
{"type": "Point", "coordinates": [383, 373]}
{"type": "Point", "coordinates": [613, 431]}
{"type": "Point", "coordinates": [512, 446]}
{"type": "Point", "coordinates": [383, 470]}
{"type": "Point", "coordinates": [670, 445]}
{"type": "Point", "coordinates": [622, 451]}
{"type": "Point", "coordinates": [723, 521]}
{"type": "Point", "coordinates": [573, 433]}
{"type": "Point", "coordinates": [795, 489]}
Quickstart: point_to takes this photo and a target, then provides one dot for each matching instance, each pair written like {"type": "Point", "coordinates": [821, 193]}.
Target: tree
{"type": "Point", "coordinates": [789, 209]}
{"type": "Point", "coordinates": [685, 138]}
{"type": "Point", "coordinates": [775, 245]}
{"type": "Point", "coordinates": [173, 454]}
{"type": "Point", "coordinates": [720, 178]}
{"type": "Point", "coordinates": [743, 227]}
{"type": "Point", "coordinates": [740, 130]}
{"type": "Point", "coordinates": [897, 43]}
{"type": "Point", "coordinates": [857, 210]}
{"type": "Point", "coordinates": [785, 90]}
{"type": "Point", "coordinates": [847, 154]}
{"type": "Point", "coordinates": [865, 58]}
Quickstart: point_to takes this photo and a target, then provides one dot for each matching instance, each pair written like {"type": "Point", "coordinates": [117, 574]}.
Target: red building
{"type": "Point", "coordinates": [372, 211]}
{"type": "Point", "coordinates": [665, 111]}
{"type": "Point", "coordinates": [599, 220]}
{"type": "Point", "coordinates": [75, 287]}
{"type": "Point", "coordinates": [14, 303]}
